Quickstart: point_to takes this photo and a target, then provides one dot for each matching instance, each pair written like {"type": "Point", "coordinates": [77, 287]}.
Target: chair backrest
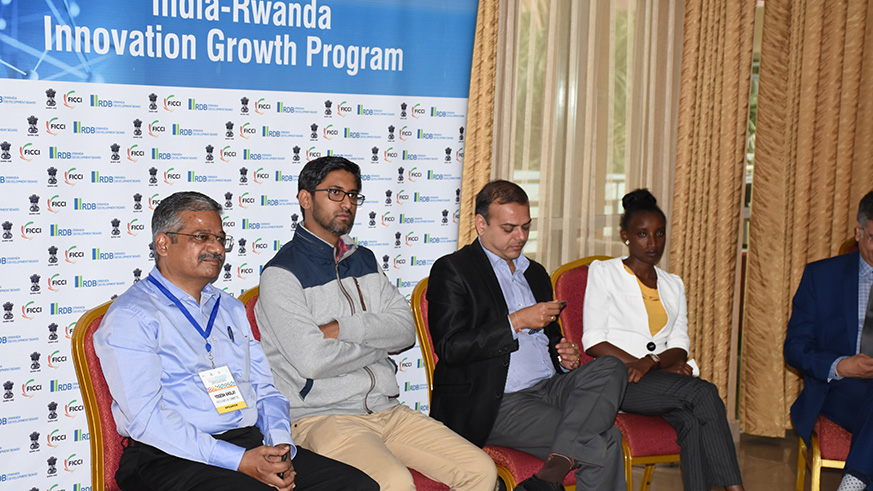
{"type": "Point", "coordinates": [850, 245]}
{"type": "Point", "coordinates": [106, 443]}
{"type": "Point", "coordinates": [249, 298]}
{"type": "Point", "coordinates": [569, 282]}
{"type": "Point", "coordinates": [419, 311]}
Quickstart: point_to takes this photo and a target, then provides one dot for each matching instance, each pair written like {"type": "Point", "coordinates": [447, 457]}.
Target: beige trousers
{"type": "Point", "coordinates": [384, 444]}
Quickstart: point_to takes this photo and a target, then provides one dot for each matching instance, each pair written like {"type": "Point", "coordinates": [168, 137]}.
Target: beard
{"type": "Point", "coordinates": [335, 224]}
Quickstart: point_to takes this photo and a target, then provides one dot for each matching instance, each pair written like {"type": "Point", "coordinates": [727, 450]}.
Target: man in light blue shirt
{"type": "Point", "coordinates": [191, 387]}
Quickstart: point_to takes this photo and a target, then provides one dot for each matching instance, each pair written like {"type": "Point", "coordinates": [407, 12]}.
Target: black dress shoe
{"type": "Point", "coordinates": [533, 483]}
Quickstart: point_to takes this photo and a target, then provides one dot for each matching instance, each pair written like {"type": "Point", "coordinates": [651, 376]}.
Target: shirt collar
{"type": "Point", "coordinates": [521, 262]}
{"type": "Point", "coordinates": [206, 294]}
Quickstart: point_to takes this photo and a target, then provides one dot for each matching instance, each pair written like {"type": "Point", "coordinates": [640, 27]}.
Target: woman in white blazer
{"type": "Point", "coordinates": [636, 312]}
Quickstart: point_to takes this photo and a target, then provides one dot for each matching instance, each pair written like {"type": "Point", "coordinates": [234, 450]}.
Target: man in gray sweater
{"type": "Point", "coordinates": [328, 319]}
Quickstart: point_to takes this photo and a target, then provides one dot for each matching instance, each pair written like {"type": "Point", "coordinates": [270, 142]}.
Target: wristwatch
{"type": "Point", "coordinates": [655, 358]}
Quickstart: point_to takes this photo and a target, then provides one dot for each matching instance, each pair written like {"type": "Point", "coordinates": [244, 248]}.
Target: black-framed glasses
{"type": "Point", "coordinates": [206, 237]}
{"type": "Point", "coordinates": [338, 195]}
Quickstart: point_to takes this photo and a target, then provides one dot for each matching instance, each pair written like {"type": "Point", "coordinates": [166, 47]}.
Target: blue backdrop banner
{"type": "Point", "coordinates": [107, 107]}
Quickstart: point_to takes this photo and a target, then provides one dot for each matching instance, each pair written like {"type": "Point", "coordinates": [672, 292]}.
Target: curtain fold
{"type": "Point", "coordinates": [812, 166]}
{"type": "Point", "coordinates": [480, 117]}
{"type": "Point", "coordinates": [586, 110]}
{"type": "Point", "coordinates": [708, 187]}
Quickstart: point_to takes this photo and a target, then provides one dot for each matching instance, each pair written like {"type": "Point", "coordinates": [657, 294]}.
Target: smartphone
{"type": "Point", "coordinates": [563, 303]}
{"type": "Point", "coordinates": [284, 458]}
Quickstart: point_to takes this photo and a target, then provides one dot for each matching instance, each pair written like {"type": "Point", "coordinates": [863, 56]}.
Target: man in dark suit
{"type": "Point", "coordinates": [505, 374]}
{"type": "Point", "coordinates": [830, 341]}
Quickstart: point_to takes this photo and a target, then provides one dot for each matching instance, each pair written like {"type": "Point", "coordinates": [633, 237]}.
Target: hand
{"type": "Point", "coordinates": [857, 366]}
{"type": "Point", "coordinates": [330, 330]}
{"type": "Point", "coordinates": [569, 354]}
{"type": "Point", "coordinates": [265, 463]}
{"type": "Point", "coordinates": [537, 316]}
{"type": "Point", "coordinates": [680, 368]}
{"type": "Point", "coordinates": [636, 369]}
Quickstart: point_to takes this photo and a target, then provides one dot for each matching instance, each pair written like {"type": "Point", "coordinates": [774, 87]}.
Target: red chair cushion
{"type": "Point", "coordinates": [250, 315]}
{"type": "Point", "coordinates": [423, 483]}
{"type": "Point", "coordinates": [520, 464]}
{"type": "Point", "coordinates": [570, 286]}
{"type": "Point", "coordinates": [647, 435]}
{"type": "Point", "coordinates": [833, 439]}
{"type": "Point", "coordinates": [112, 446]}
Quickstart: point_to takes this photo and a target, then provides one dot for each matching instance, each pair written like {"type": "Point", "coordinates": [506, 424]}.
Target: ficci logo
{"type": "Point", "coordinates": [134, 228]}
{"type": "Point", "coordinates": [29, 229]}
{"type": "Point", "coordinates": [29, 387]}
{"type": "Point", "coordinates": [155, 128]}
{"type": "Point", "coordinates": [55, 438]}
{"type": "Point", "coordinates": [73, 408]}
{"type": "Point", "coordinates": [56, 282]}
{"type": "Point", "coordinates": [71, 100]}
{"type": "Point", "coordinates": [171, 103]}
{"type": "Point", "coordinates": [55, 203]}
{"type": "Point", "coordinates": [170, 176]}
{"type": "Point", "coordinates": [28, 152]}
{"type": "Point", "coordinates": [154, 200]}
{"type": "Point", "coordinates": [243, 270]}
{"type": "Point", "coordinates": [53, 126]}
{"type": "Point", "coordinates": [262, 106]}
{"type": "Point", "coordinates": [226, 154]}
{"type": "Point", "coordinates": [72, 462]}
{"type": "Point", "coordinates": [134, 153]}
{"type": "Point", "coordinates": [245, 200]}
{"type": "Point", "coordinates": [71, 255]}
{"type": "Point", "coordinates": [72, 176]}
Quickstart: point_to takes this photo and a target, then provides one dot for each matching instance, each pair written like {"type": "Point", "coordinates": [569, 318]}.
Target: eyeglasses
{"type": "Point", "coordinates": [206, 237]}
{"type": "Point", "coordinates": [338, 195]}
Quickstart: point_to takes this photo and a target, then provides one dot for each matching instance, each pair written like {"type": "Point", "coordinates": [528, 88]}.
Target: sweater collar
{"type": "Point", "coordinates": [317, 247]}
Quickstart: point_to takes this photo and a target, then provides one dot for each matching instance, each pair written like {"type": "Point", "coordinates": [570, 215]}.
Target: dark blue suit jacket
{"type": "Point", "coordinates": [823, 327]}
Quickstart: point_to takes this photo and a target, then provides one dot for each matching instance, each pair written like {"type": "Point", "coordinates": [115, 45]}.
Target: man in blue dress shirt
{"type": "Point", "coordinates": [191, 387]}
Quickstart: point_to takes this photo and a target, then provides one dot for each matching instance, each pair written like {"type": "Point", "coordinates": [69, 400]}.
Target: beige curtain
{"type": "Point", "coordinates": [587, 101]}
{"type": "Point", "coordinates": [710, 159]}
{"type": "Point", "coordinates": [812, 165]}
{"type": "Point", "coordinates": [480, 116]}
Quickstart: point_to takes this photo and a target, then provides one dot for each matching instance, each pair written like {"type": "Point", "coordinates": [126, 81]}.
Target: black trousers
{"type": "Point", "coordinates": [694, 409]}
{"type": "Point", "coordinates": [146, 468]}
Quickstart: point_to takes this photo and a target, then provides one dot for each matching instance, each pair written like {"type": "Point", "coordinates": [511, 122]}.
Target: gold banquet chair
{"type": "Point", "coordinates": [513, 466]}
{"type": "Point", "coordinates": [106, 443]}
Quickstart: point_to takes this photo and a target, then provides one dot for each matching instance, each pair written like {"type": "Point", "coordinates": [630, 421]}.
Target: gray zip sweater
{"type": "Point", "coordinates": [305, 286]}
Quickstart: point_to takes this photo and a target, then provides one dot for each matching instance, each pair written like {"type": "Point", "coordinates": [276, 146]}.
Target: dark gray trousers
{"type": "Point", "coordinates": [693, 407]}
{"type": "Point", "coordinates": [571, 414]}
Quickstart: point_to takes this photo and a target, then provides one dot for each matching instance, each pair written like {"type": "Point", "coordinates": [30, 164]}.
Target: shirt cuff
{"type": "Point", "coordinates": [278, 437]}
{"type": "Point", "coordinates": [832, 373]}
{"type": "Point", "coordinates": [512, 329]}
{"type": "Point", "coordinates": [226, 455]}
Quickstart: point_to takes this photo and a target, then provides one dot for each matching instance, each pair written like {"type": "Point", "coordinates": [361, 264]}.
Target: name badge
{"type": "Point", "coordinates": [222, 389]}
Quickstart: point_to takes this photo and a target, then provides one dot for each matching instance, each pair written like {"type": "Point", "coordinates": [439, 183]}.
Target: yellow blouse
{"type": "Point", "coordinates": [654, 307]}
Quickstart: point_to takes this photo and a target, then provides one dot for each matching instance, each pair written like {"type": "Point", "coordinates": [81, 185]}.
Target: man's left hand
{"type": "Point", "coordinates": [569, 354]}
